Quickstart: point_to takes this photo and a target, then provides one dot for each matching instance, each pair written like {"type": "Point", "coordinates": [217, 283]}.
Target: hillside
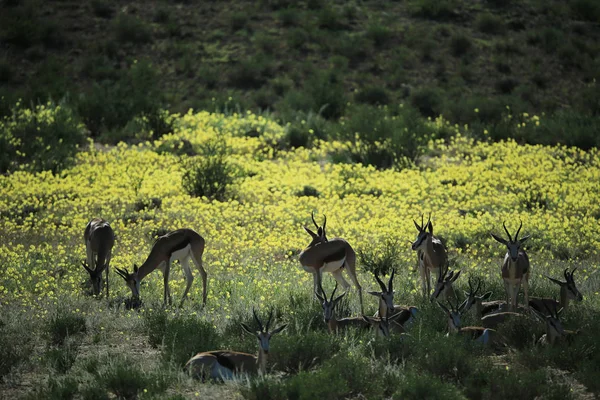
{"type": "Point", "coordinates": [465, 60]}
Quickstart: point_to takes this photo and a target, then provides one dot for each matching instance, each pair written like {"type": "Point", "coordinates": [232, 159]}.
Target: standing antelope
{"type": "Point", "coordinates": [443, 287]}
{"type": "Point", "coordinates": [225, 364]}
{"type": "Point", "coordinates": [323, 255]}
{"type": "Point", "coordinates": [182, 245]}
{"type": "Point", "coordinates": [328, 305]}
{"type": "Point", "coordinates": [568, 291]}
{"type": "Point", "coordinates": [99, 239]}
{"type": "Point", "coordinates": [431, 253]}
{"type": "Point", "coordinates": [515, 268]}
{"type": "Point", "coordinates": [402, 315]}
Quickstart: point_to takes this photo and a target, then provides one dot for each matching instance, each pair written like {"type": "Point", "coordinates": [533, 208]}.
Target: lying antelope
{"type": "Point", "coordinates": [555, 333]}
{"type": "Point", "coordinates": [443, 287]}
{"type": "Point", "coordinates": [383, 326]}
{"type": "Point", "coordinates": [568, 292]}
{"type": "Point", "coordinates": [99, 239]}
{"type": "Point", "coordinates": [323, 255]}
{"type": "Point", "coordinates": [474, 301]}
{"type": "Point", "coordinates": [515, 268]}
{"type": "Point", "coordinates": [328, 305]}
{"type": "Point", "coordinates": [477, 333]}
{"type": "Point", "coordinates": [402, 315]}
{"type": "Point", "coordinates": [182, 245]}
{"type": "Point", "coordinates": [225, 364]}
{"type": "Point", "coordinates": [431, 253]}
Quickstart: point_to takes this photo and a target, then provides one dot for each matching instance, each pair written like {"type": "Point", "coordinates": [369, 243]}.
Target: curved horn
{"type": "Point", "coordinates": [428, 219]}
{"type": "Point", "coordinates": [312, 215]}
{"type": "Point", "coordinates": [506, 230]}
{"type": "Point", "coordinates": [572, 272]}
{"type": "Point", "coordinates": [518, 230]}
{"type": "Point", "coordinates": [334, 289]}
{"type": "Point", "coordinates": [260, 325]}
{"type": "Point", "coordinates": [478, 285]}
{"type": "Point", "coordinates": [269, 320]}
{"type": "Point", "coordinates": [391, 281]}
{"type": "Point", "coordinates": [381, 284]}
{"type": "Point", "coordinates": [566, 274]}
{"type": "Point", "coordinates": [471, 291]}
{"type": "Point", "coordinates": [324, 222]}
{"type": "Point", "coordinates": [322, 290]}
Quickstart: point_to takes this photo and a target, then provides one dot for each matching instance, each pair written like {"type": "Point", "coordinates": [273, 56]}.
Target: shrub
{"type": "Point", "coordinates": [588, 10]}
{"type": "Point", "coordinates": [374, 95]}
{"type": "Point", "coordinates": [6, 72]}
{"type": "Point", "coordinates": [45, 137]}
{"type": "Point", "coordinates": [295, 353]}
{"type": "Point", "coordinates": [130, 29]}
{"type": "Point", "coordinates": [289, 16]}
{"type": "Point", "coordinates": [379, 34]}
{"type": "Point", "coordinates": [489, 23]}
{"type": "Point", "coordinates": [428, 100]}
{"type": "Point", "coordinates": [460, 45]}
{"type": "Point", "coordinates": [61, 358]}
{"type": "Point", "coordinates": [297, 37]}
{"type": "Point", "coordinates": [326, 94]}
{"type": "Point", "coordinates": [24, 27]}
{"type": "Point", "coordinates": [434, 9]}
{"type": "Point", "coordinates": [17, 345]}
{"type": "Point", "coordinates": [209, 175]}
{"type": "Point", "coordinates": [64, 325]}
{"type": "Point", "coordinates": [110, 105]}
{"type": "Point", "coordinates": [102, 9]}
{"type": "Point", "coordinates": [126, 379]}
{"type": "Point", "coordinates": [251, 73]}
{"type": "Point", "coordinates": [381, 261]}
{"type": "Point", "coordinates": [308, 191]}
{"type": "Point", "coordinates": [238, 20]}
{"type": "Point", "coordinates": [181, 336]}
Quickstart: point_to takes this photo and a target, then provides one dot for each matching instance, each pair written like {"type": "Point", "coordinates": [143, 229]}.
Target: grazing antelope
{"type": "Point", "coordinates": [182, 245]}
{"type": "Point", "coordinates": [99, 239]}
{"type": "Point", "coordinates": [323, 255]}
{"type": "Point", "coordinates": [568, 292]}
{"type": "Point", "coordinates": [515, 268]}
{"type": "Point", "coordinates": [328, 305]}
{"type": "Point", "coordinates": [225, 364]}
{"type": "Point", "coordinates": [402, 315]}
{"type": "Point", "coordinates": [477, 333]}
{"type": "Point", "coordinates": [431, 253]}
{"type": "Point", "coordinates": [443, 287]}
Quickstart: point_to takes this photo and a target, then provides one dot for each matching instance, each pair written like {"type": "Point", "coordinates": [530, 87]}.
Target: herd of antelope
{"type": "Point", "coordinates": [336, 255]}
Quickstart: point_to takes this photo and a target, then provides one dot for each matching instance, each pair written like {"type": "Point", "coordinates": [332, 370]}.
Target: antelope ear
{"type": "Point", "coordinates": [455, 277]}
{"type": "Point", "coordinates": [375, 293]}
{"type": "Point", "coordinates": [277, 330]}
{"type": "Point", "coordinates": [499, 239]}
{"type": "Point", "coordinates": [339, 297]}
{"type": "Point", "coordinates": [135, 268]}
{"type": "Point", "coordinates": [417, 226]}
{"type": "Point", "coordinates": [486, 296]}
{"type": "Point", "coordinates": [430, 226]}
{"type": "Point", "coordinates": [524, 238]}
{"type": "Point", "coordinates": [311, 233]}
{"type": "Point", "coordinates": [247, 329]}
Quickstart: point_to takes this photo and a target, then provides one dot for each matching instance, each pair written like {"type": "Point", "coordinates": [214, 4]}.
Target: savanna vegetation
{"type": "Point", "coordinates": [372, 113]}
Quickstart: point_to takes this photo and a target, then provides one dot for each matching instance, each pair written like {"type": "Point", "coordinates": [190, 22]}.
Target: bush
{"type": "Point", "coordinates": [328, 18]}
{"type": "Point", "coordinates": [126, 379]}
{"type": "Point", "coordinates": [308, 191]}
{"type": "Point", "coordinates": [587, 10]}
{"type": "Point", "coordinates": [289, 16]}
{"type": "Point", "coordinates": [24, 27]}
{"type": "Point", "coordinates": [64, 325]}
{"type": "Point", "coordinates": [379, 34]}
{"type": "Point", "coordinates": [180, 337]}
{"type": "Point", "coordinates": [130, 29]}
{"type": "Point", "coordinates": [209, 175]}
{"type": "Point", "coordinates": [61, 358]}
{"type": "Point", "coordinates": [17, 345]}
{"type": "Point", "coordinates": [238, 20]}
{"type": "Point", "coordinates": [381, 261]}
{"type": "Point", "coordinates": [251, 73]}
{"type": "Point", "coordinates": [434, 9]}
{"type": "Point", "coordinates": [327, 94]}
{"type": "Point", "coordinates": [428, 100]}
{"type": "Point", "coordinates": [295, 353]}
{"type": "Point", "coordinates": [109, 105]}
{"type": "Point", "coordinates": [489, 23]}
{"type": "Point", "coordinates": [374, 95]}
{"type": "Point", "coordinates": [102, 9]}
{"type": "Point", "coordinates": [45, 137]}
{"type": "Point", "coordinates": [460, 45]}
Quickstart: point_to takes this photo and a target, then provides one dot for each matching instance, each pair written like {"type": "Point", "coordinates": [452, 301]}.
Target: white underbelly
{"type": "Point", "coordinates": [181, 254]}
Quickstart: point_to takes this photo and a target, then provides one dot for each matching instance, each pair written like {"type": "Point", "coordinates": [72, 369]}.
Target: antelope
{"type": "Point", "coordinates": [568, 292]}
{"type": "Point", "coordinates": [323, 255]}
{"type": "Point", "coordinates": [477, 333]}
{"type": "Point", "coordinates": [515, 268]}
{"type": "Point", "coordinates": [328, 305]}
{"type": "Point", "coordinates": [225, 364]}
{"type": "Point", "coordinates": [182, 245]}
{"type": "Point", "coordinates": [443, 286]}
{"type": "Point", "coordinates": [482, 307]}
{"type": "Point", "coordinates": [402, 315]}
{"type": "Point", "coordinates": [494, 319]}
{"type": "Point", "coordinates": [385, 325]}
{"type": "Point", "coordinates": [99, 239]}
{"type": "Point", "coordinates": [431, 253]}
{"type": "Point", "coordinates": [555, 333]}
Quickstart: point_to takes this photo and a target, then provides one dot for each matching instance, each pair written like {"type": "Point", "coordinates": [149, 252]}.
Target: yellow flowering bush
{"type": "Point", "coordinates": [252, 240]}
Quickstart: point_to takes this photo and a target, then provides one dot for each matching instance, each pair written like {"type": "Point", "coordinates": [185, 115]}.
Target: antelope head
{"type": "Point", "coordinates": [513, 245]}
{"type": "Point", "coordinates": [132, 280]}
{"type": "Point", "coordinates": [569, 284]}
{"type": "Point", "coordinates": [263, 334]}
{"type": "Point", "coordinates": [381, 324]}
{"type": "Point", "coordinates": [425, 233]}
{"type": "Point", "coordinates": [321, 235]}
{"type": "Point", "coordinates": [554, 328]}
{"type": "Point", "coordinates": [453, 315]}
{"type": "Point", "coordinates": [444, 282]}
{"type": "Point", "coordinates": [387, 294]}
{"type": "Point", "coordinates": [329, 305]}
{"type": "Point", "coordinates": [473, 297]}
{"type": "Point", "coordinates": [95, 277]}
